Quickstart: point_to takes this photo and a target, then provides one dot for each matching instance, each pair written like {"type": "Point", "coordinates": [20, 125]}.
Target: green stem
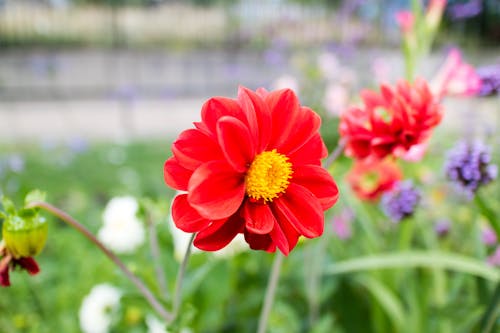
{"type": "Point", "coordinates": [180, 277]}
{"type": "Point", "coordinates": [335, 154]}
{"type": "Point", "coordinates": [492, 313]}
{"type": "Point", "coordinates": [270, 292]}
{"type": "Point", "coordinates": [155, 254]}
{"type": "Point", "coordinates": [143, 289]}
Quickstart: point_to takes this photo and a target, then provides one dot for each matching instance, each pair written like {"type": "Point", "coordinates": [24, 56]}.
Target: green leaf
{"type": "Point", "coordinates": [8, 206]}
{"type": "Point", "coordinates": [35, 195]}
{"type": "Point", "coordinates": [488, 213]}
{"type": "Point", "coordinates": [412, 259]}
{"type": "Point", "coordinates": [386, 299]}
{"type": "Point", "coordinates": [492, 312]}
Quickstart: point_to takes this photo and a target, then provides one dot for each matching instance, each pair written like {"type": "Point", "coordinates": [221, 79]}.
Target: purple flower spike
{"type": "Point", "coordinates": [490, 80]}
{"type": "Point", "coordinates": [400, 202]}
{"type": "Point", "coordinates": [442, 227]}
{"type": "Point", "coordinates": [469, 167]}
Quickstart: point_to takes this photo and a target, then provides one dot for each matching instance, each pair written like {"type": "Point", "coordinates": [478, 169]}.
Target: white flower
{"type": "Point", "coordinates": [122, 231]}
{"type": "Point", "coordinates": [96, 312]}
{"type": "Point", "coordinates": [155, 325]}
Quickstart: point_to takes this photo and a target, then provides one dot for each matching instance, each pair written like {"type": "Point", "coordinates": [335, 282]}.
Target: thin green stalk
{"type": "Point", "coordinates": [492, 312]}
{"type": "Point", "coordinates": [270, 292]}
{"type": "Point", "coordinates": [180, 277]}
{"type": "Point", "coordinates": [143, 289]}
{"type": "Point", "coordinates": [155, 254]}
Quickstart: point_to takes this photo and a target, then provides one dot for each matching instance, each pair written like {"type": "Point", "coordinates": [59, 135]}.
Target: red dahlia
{"type": "Point", "coordinates": [370, 178]}
{"type": "Point", "coordinates": [390, 122]}
{"type": "Point", "coordinates": [252, 166]}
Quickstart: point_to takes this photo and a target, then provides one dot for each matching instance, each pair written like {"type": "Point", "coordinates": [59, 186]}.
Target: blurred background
{"type": "Point", "coordinates": [92, 93]}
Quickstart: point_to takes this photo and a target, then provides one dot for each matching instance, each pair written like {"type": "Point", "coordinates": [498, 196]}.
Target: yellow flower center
{"type": "Point", "coordinates": [268, 176]}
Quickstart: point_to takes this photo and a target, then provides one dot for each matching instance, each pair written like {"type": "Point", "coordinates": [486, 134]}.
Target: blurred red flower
{"type": "Point", "coordinates": [252, 166]}
{"type": "Point", "coordinates": [390, 122]}
{"type": "Point", "coordinates": [9, 263]}
{"type": "Point", "coordinates": [370, 178]}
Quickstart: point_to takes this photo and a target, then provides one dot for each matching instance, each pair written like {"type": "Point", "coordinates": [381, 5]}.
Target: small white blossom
{"type": "Point", "coordinates": [155, 325]}
{"type": "Point", "coordinates": [122, 231]}
{"type": "Point", "coordinates": [98, 307]}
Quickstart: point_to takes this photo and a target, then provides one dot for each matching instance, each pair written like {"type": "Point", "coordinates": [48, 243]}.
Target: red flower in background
{"type": "Point", "coordinates": [390, 122]}
{"type": "Point", "coordinates": [370, 178]}
{"type": "Point", "coordinates": [252, 166]}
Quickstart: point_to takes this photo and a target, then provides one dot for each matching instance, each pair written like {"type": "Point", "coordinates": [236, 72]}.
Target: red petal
{"type": "Point", "coordinates": [317, 180]}
{"type": "Point", "coordinates": [310, 153]}
{"type": "Point", "coordinates": [216, 191]}
{"type": "Point", "coordinates": [302, 209]}
{"type": "Point", "coordinates": [193, 148]}
{"type": "Point", "coordinates": [217, 107]}
{"type": "Point", "coordinates": [304, 126]}
{"type": "Point", "coordinates": [28, 264]}
{"type": "Point", "coordinates": [175, 175]}
{"type": "Point", "coordinates": [259, 242]}
{"type": "Point", "coordinates": [4, 277]}
{"type": "Point", "coordinates": [258, 115]}
{"type": "Point", "coordinates": [279, 238]}
{"type": "Point", "coordinates": [284, 228]}
{"type": "Point", "coordinates": [284, 106]}
{"type": "Point", "coordinates": [186, 217]}
{"type": "Point", "coordinates": [236, 143]}
{"type": "Point", "coordinates": [218, 234]}
{"type": "Point", "coordinates": [258, 218]}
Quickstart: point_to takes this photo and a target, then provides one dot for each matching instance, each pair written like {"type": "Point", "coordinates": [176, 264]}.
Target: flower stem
{"type": "Point", "coordinates": [155, 254]}
{"type": "Point", "coordinates": [270, 292]}
{"type": "Point", "coordinates": [180, 277]}
{"type": "Point", "coordinates": [335, 154]}
{"type": "Point", "coordinates": [148, 295]}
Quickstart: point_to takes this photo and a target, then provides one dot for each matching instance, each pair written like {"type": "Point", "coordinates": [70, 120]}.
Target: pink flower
{"type": "Point", "coordinates": [488, 236]}
{"type": "Point", "coordinates": [405, 20]}
{"type": "Point", "coordinates": [342, 224]}
{"type": "Point", "coordinates": [416, 152]}
{"type": "Point", "coordinates": [455, 77]}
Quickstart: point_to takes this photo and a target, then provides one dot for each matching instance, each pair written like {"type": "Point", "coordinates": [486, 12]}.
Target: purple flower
{"type": "Point", "coordinates": [401, 201]}
{"type": "Point", "coordinates": [465, 10]}
{"type": "Point", "coordinates": [490, 80]}
{"type": "Point", "coordinates": [469, 167]}
{"type": "Point", "coordinates": [442, 227]}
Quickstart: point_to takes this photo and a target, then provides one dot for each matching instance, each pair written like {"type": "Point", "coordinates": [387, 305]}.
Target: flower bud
{"type": "Point", "coordinates": [25, 236]}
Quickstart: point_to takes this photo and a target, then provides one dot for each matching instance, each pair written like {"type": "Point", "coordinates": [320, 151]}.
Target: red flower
{"type": "Point", "coordinates": [252, 166]}
{"type": "Point", "coordinates": [370, 178]}
{"type": "Point", "coordinates": [8, 262]}
{"type": "Point", "coordinates": [391, 122]}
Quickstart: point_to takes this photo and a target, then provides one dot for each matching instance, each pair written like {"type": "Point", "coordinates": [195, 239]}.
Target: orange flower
{"type": "Point", "coordinates": [251, 166]}
{"type": "Point", "coordinates": [370, 178]}
{"type": "Point", "coordinates": [390, 122]}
